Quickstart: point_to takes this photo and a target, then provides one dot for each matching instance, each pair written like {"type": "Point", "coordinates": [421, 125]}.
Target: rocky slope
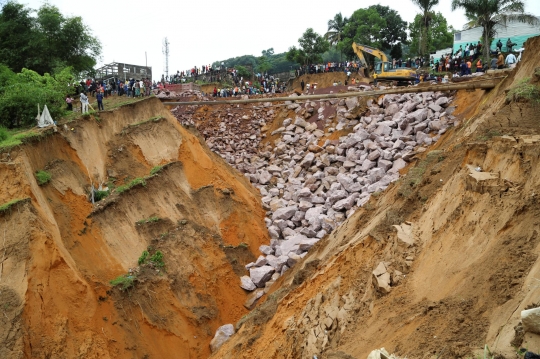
{"type": "Point", "coordinates": [310, 183]}
{"type": "Point", "coordinates": [440, 264]}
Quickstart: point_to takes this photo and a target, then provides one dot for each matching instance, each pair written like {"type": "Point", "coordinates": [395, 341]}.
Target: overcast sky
{"type": "Point", "coordinates": [203, 32]}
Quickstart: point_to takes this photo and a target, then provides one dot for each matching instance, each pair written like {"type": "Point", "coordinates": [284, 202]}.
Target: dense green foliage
{"type": "Point", "coordinates": [46, 42]}
{"type": "Point", "coordinates": [439, 34]}
{"type": "Point", "coordinates": [376, 26]}
{"type": "Point", "coordinates": [4, 134]}
{"type": "Point", "coordinates": [272, 63]}
{"type": "Point", "coordinates": [21, 93]}
{"type": "Point", "coordinates": [312, 46]}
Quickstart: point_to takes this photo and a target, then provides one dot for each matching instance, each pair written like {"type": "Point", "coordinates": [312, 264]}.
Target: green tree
{"type": "Point", "coordinates": [376, 26]}
{"type": "Point", "coordinates": [335, 30]}
{"type": "Point", "coordinates": [263, 62]}
{"type": "Point", "coordinates": [439, 34]}
{"type": "Point", "coordinates": [489, 13]}
{"type": "Point", "coordinates": [426, 7]}
{"type": "Point", "coordinates": [16, 35]}
{"type": "Point", "coordinates": [21, 93]}
{"type": "Point", "coordinates": [47, 42]}
{"type": "Point", "coordinates": [312, 46]}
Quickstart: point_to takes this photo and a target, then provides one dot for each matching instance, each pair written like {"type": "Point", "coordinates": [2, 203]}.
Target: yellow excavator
{"type": "Point", "coordinates": [384, 70]}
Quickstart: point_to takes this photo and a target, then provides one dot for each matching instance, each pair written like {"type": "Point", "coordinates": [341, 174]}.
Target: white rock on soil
{"type": "Point", "coordinates": [247, 284]}
{"type": "Point", "coordinates": [223, 334]}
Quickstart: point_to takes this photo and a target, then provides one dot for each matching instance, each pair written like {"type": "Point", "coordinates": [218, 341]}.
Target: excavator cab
{"type": "Point", "coordinates": [381, 67]}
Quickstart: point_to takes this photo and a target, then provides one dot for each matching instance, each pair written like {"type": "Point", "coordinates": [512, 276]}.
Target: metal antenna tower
{"type": "Point", "coordinates": [166, 53]}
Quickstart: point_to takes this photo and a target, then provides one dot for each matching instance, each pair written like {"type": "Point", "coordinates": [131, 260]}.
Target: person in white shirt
{"type": "Point", "coordinates": [511, 60]}
{"type": "Point", "coordinates": [84, 103]}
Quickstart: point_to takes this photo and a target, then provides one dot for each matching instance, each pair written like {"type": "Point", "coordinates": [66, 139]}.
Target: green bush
{"type": "Point", "coordinates": [21, 93]}
{"type": "Point", "coordinates": [43, 177]}
{"type": "Point", "coordinates": [143, 257]}
{"type": "Point", "coordinates": [157, 259]}
{"type": "Point", "coordinates": [99, 195]}
{"type": "Point", "coordinates": [124, 281]}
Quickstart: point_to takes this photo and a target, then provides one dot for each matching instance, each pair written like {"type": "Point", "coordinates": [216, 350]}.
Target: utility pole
{"type": "Point", "coordinates": [166, 53]}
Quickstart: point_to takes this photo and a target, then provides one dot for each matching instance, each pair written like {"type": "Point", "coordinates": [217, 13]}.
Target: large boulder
{"type": "Point", "coordinates": [222, 335]}
{"type": "Point", "coordinates": [351, 102]}
{"type": "Point", "coordinates": [247, 284]}
{"type": "Point", "coordinates": [531, 320]}
{"type": "Point", "coordinates": [284, 213]}
{"type": "Point", "coordinates": [260, 275]}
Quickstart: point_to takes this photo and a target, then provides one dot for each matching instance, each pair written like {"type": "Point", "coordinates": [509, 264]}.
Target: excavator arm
{"type": "Point", "coordinates": [384, 71]}
{"type": "Point", "coordinates": [359, 49]}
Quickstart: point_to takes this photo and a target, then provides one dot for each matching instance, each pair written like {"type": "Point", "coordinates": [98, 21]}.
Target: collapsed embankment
{"type": "Point", "coordinates": [441, 263]}
{"type": "Point", "coordinates": [60, 251]}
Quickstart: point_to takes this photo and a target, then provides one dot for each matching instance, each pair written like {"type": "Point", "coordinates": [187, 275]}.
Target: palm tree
{"type": "Point", "coordinates": [489, 13]}
{"type": "Point", "coordinates": [335, 30]}
{"type": "Point", "coordinates": [426, 6]}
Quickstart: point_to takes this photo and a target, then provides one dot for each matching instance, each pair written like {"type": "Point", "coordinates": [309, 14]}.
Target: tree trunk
{"type": "Point", "coordinates": [487, 45]}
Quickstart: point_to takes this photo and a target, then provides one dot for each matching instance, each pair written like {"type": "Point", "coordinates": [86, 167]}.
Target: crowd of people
{"type": "Point", "coordinates": [464, 60]}
{"type": "Point", "coordinates": [268, 84]}
{"type": "Point", "coordinates": [101, 89]}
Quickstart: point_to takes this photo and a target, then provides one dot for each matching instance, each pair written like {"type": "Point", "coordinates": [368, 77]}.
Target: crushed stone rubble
{"type": "Point", "coordinates": [194, 94]}
{"type": "Point", "coordinates": [310, 184]}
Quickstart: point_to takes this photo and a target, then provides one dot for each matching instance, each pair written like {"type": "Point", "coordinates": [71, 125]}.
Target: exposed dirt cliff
{"type": "Point", "coordinates": [61, 251]}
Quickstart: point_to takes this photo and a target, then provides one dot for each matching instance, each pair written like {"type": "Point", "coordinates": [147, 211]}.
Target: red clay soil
{"type": "Point", "coordinates": [61, 251]}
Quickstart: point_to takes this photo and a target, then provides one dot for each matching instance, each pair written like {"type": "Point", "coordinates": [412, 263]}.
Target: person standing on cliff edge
{"type": "Point", "coordinates": [302, 84]}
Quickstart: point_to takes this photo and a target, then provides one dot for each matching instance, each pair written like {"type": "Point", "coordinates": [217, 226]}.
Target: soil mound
{"type": "Point", "coordinates": [168, 193]}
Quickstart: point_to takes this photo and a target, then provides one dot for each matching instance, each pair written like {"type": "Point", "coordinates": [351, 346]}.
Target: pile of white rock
{"type": "Point", "coordinates": [309, 188]}
{"type": "Point", "coordinates": [310, 184]}
{"type": "Point", "coordinates": [164, 93]}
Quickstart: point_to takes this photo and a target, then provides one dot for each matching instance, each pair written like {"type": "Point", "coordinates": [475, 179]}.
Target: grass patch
{"type": "Point", "coordinates": [124, 282]}
{"type": "Point", "coordinates": [4, 134]}
{"type": "Point", "coordinates": [148, 220]}
{"type": "Point", "coordinates": [155, 170]}
{"type": "Point", "coordinates": [10, 139]}
{"type": "Point", "coordinates": [416, 174]}
{"type": "Point", "coordinates": [133, 183]}
{"type": "Point", "coordinates": [489, 135]}
{"type": "Point", "coordinates": [43, 177]}
{"type": "Point", "coordinates": [152, 119]}
{"type": "Point", "coordinates": [7, 206]}
{"type": "Point", "coordinates": [524, 91]}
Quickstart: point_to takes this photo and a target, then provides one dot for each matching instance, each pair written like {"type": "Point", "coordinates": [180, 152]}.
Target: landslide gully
{"type": "Point", "coordinates": [60, 252]}
{"type": "Point", "coordinates": [442, 262]}
{"type": "Point", "coordinates": [315, 164]}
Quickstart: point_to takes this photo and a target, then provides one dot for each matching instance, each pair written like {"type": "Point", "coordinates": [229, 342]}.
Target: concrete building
{"type": "Point", "coordinates": [123, 71]}
{"type": "Point", "coordinates": [518, 32]}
